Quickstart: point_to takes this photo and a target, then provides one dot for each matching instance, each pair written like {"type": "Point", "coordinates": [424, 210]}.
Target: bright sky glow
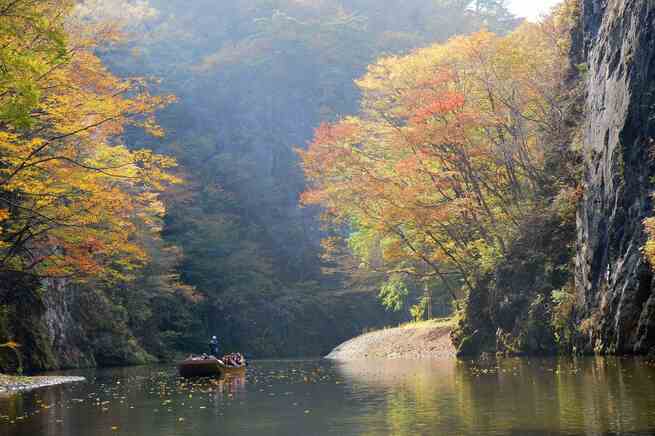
{"type": "Point", "coordinates": [532, 9]}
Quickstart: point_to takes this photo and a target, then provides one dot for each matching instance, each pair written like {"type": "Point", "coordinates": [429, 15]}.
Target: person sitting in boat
{"type": "Point", "coordinates": [213, 346]}
{"type": "Point", "coordinates": [234, 360]}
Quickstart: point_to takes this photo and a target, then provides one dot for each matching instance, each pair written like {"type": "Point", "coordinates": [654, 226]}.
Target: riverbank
{"type": "Point", "coordinates": [11, 384]}
{"type": "Point", "coordinates": [422, 340]}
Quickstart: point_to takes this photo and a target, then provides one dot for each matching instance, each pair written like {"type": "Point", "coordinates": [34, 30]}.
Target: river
{"type": "Point", "coordinates": [584, 396]}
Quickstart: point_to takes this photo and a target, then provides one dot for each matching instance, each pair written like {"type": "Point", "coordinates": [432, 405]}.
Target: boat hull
{"type": "Point", "coordinates": [207, 368]}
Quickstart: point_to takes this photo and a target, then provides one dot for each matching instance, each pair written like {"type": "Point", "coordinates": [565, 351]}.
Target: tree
{"type": "Point", "coordinates": [71, 195]}
{"type": "Point", "coordinates": [447, 156]}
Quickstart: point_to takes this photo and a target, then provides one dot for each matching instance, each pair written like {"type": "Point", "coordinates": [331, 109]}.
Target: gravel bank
{"type": "Point", "coordinates": [427, 340]}
{"type": "Point", "coordinates": [10, 384]}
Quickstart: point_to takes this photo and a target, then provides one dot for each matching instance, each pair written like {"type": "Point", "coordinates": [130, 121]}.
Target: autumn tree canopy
{"type": "Point", "coordinates": [447, 156]}
{"type": "Point", "coordinates": [71, 194]}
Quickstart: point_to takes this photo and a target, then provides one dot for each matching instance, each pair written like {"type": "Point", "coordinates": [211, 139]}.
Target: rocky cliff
{"type": "Point", "coordinates": [613, 281]}
{"type": "Point", "coordinates": [60, 325]}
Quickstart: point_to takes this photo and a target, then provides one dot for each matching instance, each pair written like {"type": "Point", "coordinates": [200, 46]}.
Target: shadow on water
{"type": "Point", "coordinates": [585, 396]}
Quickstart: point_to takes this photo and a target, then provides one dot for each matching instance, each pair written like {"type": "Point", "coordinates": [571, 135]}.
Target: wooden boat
{"type": "Point", "coordinates": [209, 367]}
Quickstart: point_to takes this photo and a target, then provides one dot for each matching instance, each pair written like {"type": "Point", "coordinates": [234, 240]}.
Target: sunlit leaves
{"type": "Point", "coordinates": [25, 60]}
{"type": "Point", "coordinates": [649, 248]}
{"type": "Point", "coordinates": [393, 293]}
{"type": "Point", "coordinates": [447, 155]}
{"type": "Point", "coordinates": [71, 195]}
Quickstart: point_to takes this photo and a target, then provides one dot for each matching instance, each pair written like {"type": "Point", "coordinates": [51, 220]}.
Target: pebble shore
{"type": "Point", "coordinates": [12, 384]}
{"type": "Point", "coordinates": [425, 340]}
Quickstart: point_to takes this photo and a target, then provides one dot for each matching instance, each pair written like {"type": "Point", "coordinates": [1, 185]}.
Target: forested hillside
{"type": "Point", "coordinates": [150, 187]}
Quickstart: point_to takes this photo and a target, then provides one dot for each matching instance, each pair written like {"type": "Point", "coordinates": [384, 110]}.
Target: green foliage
{"type": "Point", "coordinates": [43, 43]}
{"type": "Point", "coordinates": [393, 293]}
{"type": "Point", "coordinates": [563, 307]}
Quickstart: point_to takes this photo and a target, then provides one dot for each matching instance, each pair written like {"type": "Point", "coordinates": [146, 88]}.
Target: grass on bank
{"type": "Point", "coordinates": [414, 325]}
{"type": "Point", "coordinates": [433, 323]}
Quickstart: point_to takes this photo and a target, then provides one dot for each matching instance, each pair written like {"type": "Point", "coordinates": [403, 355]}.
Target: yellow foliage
{"type": "Point", "coordinates": [75, 189]}
{"type": "Point", "coordinates": [442, 163]}
{"type": "Point", "coordinates": [649, 248]}
{"type": "Point", "coordinates": [11, 344]}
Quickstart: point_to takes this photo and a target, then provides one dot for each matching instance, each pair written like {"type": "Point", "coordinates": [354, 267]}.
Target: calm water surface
{"type": "Point", "coordinates": [591, 396]}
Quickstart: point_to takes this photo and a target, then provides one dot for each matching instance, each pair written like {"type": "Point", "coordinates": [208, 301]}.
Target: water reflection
{"type": "Point", "coordinates": [590, 396]}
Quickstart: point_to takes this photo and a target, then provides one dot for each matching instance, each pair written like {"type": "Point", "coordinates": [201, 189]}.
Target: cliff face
{"type": "Point", "coordinates": [21, 320]}
{"type": "Point", "coordinates": [613, 280]}
{"type": "Point", "coordinates": [65, 338]}
{"type": "Point", "coordinates": [61, 325]}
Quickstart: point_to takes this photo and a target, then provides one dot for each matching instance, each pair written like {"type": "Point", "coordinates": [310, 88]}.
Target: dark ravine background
{"type": "Point", "coordinates": [253, 79]}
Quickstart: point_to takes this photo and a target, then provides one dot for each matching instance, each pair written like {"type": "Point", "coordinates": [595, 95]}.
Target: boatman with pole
{"type": "Point", "coordinates": [213, 346]}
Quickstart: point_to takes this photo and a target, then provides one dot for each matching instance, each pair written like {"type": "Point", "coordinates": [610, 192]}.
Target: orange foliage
{"type": "Point", "coordinates": [71, 194]}
{"type": "Point", "coordinates": [442, 163]}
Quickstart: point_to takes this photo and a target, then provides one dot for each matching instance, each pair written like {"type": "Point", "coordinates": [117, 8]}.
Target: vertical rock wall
{"type": "Point", "coordinates": [62, 325]}
{"type": "Point", "coordinates": [66, 337]}
{"type": "Point", "coordinates": [614, 282]}
{"type": "Point", "coordinates": [39, 315]}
